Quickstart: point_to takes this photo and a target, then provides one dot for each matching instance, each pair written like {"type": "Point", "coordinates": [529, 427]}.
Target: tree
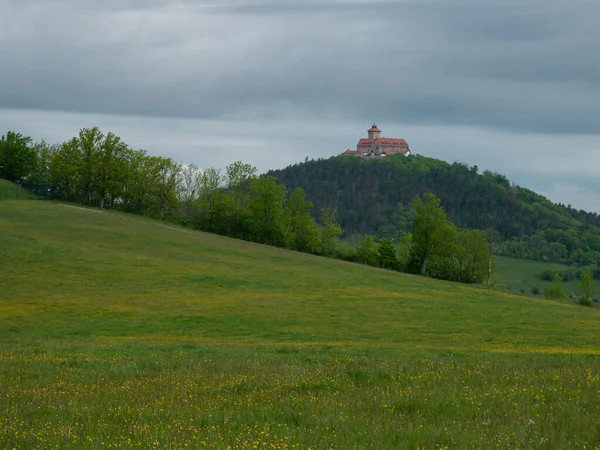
{"type": "Point", "coordinates": [330, 231]}
{"type": "Point", "coordinates": [555, 290]}
{"type": "Point", "coordinates": [87, 147]}
{"type": "Point", "coordinates": [64, 172]}
{"type": "Point", "coordinates": [213, 209]}
{"type": "Point", "coordinates": [303, 233]}
{"type": "Point", "coordinates": [40, 181]}
{"type": "Point", "coordinates": [432, 234]}
{"type": "Point", "coordinates": [587, 288]}
{"type": "Point", "coordinates": [265, 211]}
{"type": "Point", "coordinates": [386, 255]}
{"type": "Point", "coordinates": [164, 182]}
{"type": "Point", "coordinates": [135, 188]}
{"type": "Point", "coordinates": [189, 185]}
{"type": "Point", "coordinates": [472, 256]}
{"type": "Point", "coordinates": [91, 168]}
{"type": "Point", "coordinates": [17, 157]}
{"type": "Point", "coordinates": [109, 175]}
{"type": "Point", "coordinates": [238, 185]}
{"type": "Point", "coordinates": [366, 251]}
{"type": "Point", "coordinates": [404, 251]}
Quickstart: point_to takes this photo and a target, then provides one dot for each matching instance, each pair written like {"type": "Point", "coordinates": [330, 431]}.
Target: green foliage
{"type": "Point", "coordinates": [556, 290]}
{"type": "Point", "coordinates": [373, 197]}
{"type": "Point", "coordinates": [432, 235]}
{"type": "Point", "coordinates": [587, 288]}
{"type": "Point", "coordinates": [403, 252]}
{"type": "Point", "coordinates": [17, 157]}
{"type": "Point", "coordinates": [535, 290]}
{"type": "Point", "coordinates": [265, 211]}
{"type": "Point", "coordinates": [303, 234]}
{"type": "Point", "coordinates": [367, 251]}
{"type": "Point", "coordinates": [238, 180]}
{"type": "Point", "coordinates": [471, 256]}
{"type": "Point", "coordinates": [330, 231]}
{"type": "Point", "coordinates": [346, 252]}
{"type": "Point", "coordinates": [386, 255]}
{"type": "Point", "coordinates": [212, 205]}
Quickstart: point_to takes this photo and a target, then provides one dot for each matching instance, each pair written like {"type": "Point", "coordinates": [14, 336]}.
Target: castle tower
{"type": "Point", "coordinates": [374, 132]}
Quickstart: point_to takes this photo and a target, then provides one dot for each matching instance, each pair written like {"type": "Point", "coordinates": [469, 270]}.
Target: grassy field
{"type": "Point", "coordinates": [10, 191]}
{"type": "Point", "coordinates": [121, 332]}
{"type": "Point", "coordinates": [521, 276]}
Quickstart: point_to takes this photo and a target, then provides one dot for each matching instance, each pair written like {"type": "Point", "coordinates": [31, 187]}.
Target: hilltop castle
{"type": "Point", "coordinates": [376, 146]}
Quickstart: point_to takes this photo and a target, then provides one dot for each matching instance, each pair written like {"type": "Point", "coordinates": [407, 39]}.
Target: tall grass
{"type": "Point", "coordinates": [119, 332]}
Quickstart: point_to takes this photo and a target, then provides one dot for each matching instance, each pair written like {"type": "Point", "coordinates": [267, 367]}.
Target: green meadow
{"type": "Point", "coordinates": [521, 276]}
{"type": "Point", "coordinates": [122, 332]}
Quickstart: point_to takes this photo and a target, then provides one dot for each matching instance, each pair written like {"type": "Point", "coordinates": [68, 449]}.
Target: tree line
{"type": "Point", "coordinates": [100, 170]}
{"type": "Point", "coordinates": [373, 197]}
{"type": "Point", "coordinates": [434, 247]}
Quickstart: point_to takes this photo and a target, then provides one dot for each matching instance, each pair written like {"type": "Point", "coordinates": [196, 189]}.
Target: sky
{"type": "Point", "coordinates": [511, 86]}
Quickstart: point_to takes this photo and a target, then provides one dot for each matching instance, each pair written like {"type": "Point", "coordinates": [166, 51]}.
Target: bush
{"type": "Point", "coordinates": [555, 290]}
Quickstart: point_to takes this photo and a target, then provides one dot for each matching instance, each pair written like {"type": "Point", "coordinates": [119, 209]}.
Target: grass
{"type": "Point", "coordinates": [521, 276]}
{"type": "Point", "coordinates": [10, 191]}
{"type": "Point", "coordinates": [121, 332]}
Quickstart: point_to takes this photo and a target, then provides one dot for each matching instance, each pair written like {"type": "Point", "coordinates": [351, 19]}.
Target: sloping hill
{"type": "Point", "coordinates": [10, 191]}
{"type": "Point", "coordinates": [97, 265]}
{"type": "Point", "coordinates": [121, 330]}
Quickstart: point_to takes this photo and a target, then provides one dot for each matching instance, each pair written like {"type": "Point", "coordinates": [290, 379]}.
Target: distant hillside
{"type": "Point", "coordinates": [373, 197]}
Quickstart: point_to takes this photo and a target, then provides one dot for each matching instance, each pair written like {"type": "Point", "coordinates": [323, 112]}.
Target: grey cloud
{"type": "Point", "coordinates": [522, 66]}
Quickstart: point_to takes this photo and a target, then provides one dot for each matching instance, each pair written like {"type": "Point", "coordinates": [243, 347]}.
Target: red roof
{"type": "Point", "coordinates": [383, 142]}
{"type": "Point", "coordinates": [350, 152]}
{"type": "Point", "coordinates": [394, 152]}
{"type": "Point", "coordinates": [374, 128]}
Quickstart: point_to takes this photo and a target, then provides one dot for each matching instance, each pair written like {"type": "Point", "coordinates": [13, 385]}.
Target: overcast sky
{"type": "Point", "coordinates": [509, 85]}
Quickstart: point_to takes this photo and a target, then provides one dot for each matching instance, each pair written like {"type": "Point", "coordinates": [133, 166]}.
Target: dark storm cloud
{"type": "Point", "coordinates": [523, 66]}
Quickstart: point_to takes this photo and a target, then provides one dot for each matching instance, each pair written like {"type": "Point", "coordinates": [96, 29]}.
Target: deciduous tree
{"type": "Point", "coordinates": [555, 290]}
{"type": "Point", "coordinates": [366, 251]}
{"type": "Point", "coordinates": [386, 254]}
{"type": "Point", "coordinates": [17, 157]}
{"type": "Point", "coordinates": [303, 232]}
{"type": "Point", "coordinates": [330, 231]}
{"type": "Point", "coordinates": [587, 288]}
{"type": "Point", "coordinates": [265, 209]}
{"type": "Point", "coordinates": [432, 234]}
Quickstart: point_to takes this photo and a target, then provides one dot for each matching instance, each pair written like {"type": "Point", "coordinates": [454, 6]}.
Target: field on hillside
{"type": "Point", "coordinates": [121, 332]}
{"type": "Point", "coordinates": [521, 276]}
{"type": "Point", "coordinates": [10, 191]}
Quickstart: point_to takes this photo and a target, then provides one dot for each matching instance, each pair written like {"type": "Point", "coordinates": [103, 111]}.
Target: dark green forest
{"type": "Point", "coordinates": [372, 197]}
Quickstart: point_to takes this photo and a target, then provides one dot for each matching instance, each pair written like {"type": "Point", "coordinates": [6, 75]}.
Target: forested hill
{"type": "Point", "coordinates": [373, 197]}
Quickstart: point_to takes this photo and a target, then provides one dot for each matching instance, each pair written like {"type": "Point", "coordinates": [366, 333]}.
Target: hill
{"type": "Point", "coordinates": [373, 197]}
{"type": "Point", "coordinates": [11, 191]}
{"type": "Point", "coordinates": [120, 330]}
